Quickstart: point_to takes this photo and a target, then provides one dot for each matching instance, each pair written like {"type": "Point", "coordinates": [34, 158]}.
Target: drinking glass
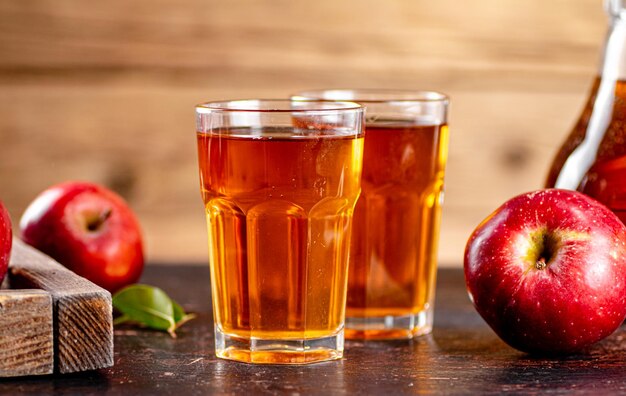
{"type": "Point", "coordinates": [393, 258]}
{"type": "Point", "coordinates": [279, 180]}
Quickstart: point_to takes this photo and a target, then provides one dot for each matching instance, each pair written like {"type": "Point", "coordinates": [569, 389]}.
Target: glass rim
{"type": "Point", "coordinates": [277, 106]}
{"type": "Point", "coordinates": [374, 95]}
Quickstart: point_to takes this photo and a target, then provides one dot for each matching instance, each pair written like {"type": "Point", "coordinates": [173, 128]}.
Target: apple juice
{"type": "Point", "coordinates": [396, 224]}
{"type": "Point", "coordinates": [599, 139]}
{"type": "Point", "coordinates": [279, 211]}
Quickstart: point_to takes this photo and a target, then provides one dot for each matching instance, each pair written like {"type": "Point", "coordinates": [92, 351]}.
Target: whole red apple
{"type": "Point", "coordinates": [90, 230]}
{"type": "Point", "coordinates": [547, 271]}
{"type": "Point", "coordinates": [6, 239]}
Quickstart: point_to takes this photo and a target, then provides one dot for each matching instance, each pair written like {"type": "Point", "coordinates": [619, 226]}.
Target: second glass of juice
{"type": "Point", "coordinates": [393, 257]}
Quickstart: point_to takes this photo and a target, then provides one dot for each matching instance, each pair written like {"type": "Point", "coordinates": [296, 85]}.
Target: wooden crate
{"type": "Point", "coordinates": [52, 320]}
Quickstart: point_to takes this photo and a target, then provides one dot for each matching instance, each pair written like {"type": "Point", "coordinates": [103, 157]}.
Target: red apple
{"type": "Point", "coordinates": [6, 238]}
{"type": "Point", "coordinates": [547, 271]}
{"type": "Point", "coordinates": [90, 230]}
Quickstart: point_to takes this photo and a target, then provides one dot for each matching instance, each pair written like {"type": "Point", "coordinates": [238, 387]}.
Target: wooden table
{"type": "Point", "coordinates": [462, 356]}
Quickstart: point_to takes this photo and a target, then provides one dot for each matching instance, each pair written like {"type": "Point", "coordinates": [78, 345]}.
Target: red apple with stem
{"type": "Point", "coordinates": [547, 271]}
{"type": "Point", "coordinates": [90, 230]}
{"type": "Point", "coordinates": [6, 239]}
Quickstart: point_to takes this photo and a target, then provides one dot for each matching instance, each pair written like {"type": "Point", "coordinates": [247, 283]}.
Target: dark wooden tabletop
{"type": "Point", "coordinates": [462, 356]}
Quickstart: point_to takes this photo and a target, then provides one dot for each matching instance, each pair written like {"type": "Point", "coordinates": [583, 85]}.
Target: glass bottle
{"type": "Point", "coordinates": [593, 157]}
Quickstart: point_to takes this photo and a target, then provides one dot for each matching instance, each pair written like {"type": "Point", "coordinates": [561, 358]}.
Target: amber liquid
{"type": "Point", "coordinates": [396, 224]}
{"type": "Point", "coordinates": [605, 179]}
{"type": "Point", "coordinates": [279, 211]}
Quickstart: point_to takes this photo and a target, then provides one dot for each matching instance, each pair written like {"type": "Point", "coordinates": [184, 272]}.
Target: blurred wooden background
{"type": "Point", "coordinates": [104, 91]}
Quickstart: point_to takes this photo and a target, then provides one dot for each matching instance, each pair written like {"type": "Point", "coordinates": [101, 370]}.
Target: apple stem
{"type": "Point", "coordinates": [94, 224]}
{"type": "Point", "coordinates": [541, 263]}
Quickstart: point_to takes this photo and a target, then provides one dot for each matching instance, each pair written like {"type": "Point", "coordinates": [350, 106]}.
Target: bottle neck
{"type": "Point", "coordinates": [615, 8]}
{"type": "Point", "coordinates": [613, 66]}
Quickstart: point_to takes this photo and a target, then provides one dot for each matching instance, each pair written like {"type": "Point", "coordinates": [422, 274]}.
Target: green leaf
{"type": "Point", "coordinates": [179, 312]}
{"type": "Point", "coordinates": [151, 307]}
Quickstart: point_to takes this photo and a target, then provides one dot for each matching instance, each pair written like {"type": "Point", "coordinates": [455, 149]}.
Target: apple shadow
{"type": "Point", "coordinates": [491, 362]}
{"type": "Point", "coordinates": [568, 373]}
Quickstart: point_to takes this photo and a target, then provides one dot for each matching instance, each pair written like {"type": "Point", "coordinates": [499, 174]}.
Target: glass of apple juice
{"type": "Point", "coordinates": [279, 180]}
{"type": "Point", "coordinates": [393, 258]}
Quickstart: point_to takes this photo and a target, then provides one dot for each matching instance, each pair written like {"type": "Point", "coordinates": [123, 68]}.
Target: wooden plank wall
{"type": "Point", "coordinates": [104, 91]}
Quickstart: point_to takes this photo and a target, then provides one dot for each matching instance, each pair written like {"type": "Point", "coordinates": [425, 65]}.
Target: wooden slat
{"type": "Point", "coordinates": [283, 35]}
{"type": "Point", "coordinates": [83, 318]}
{"type": "Point", "coordinates": [26, 341]}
